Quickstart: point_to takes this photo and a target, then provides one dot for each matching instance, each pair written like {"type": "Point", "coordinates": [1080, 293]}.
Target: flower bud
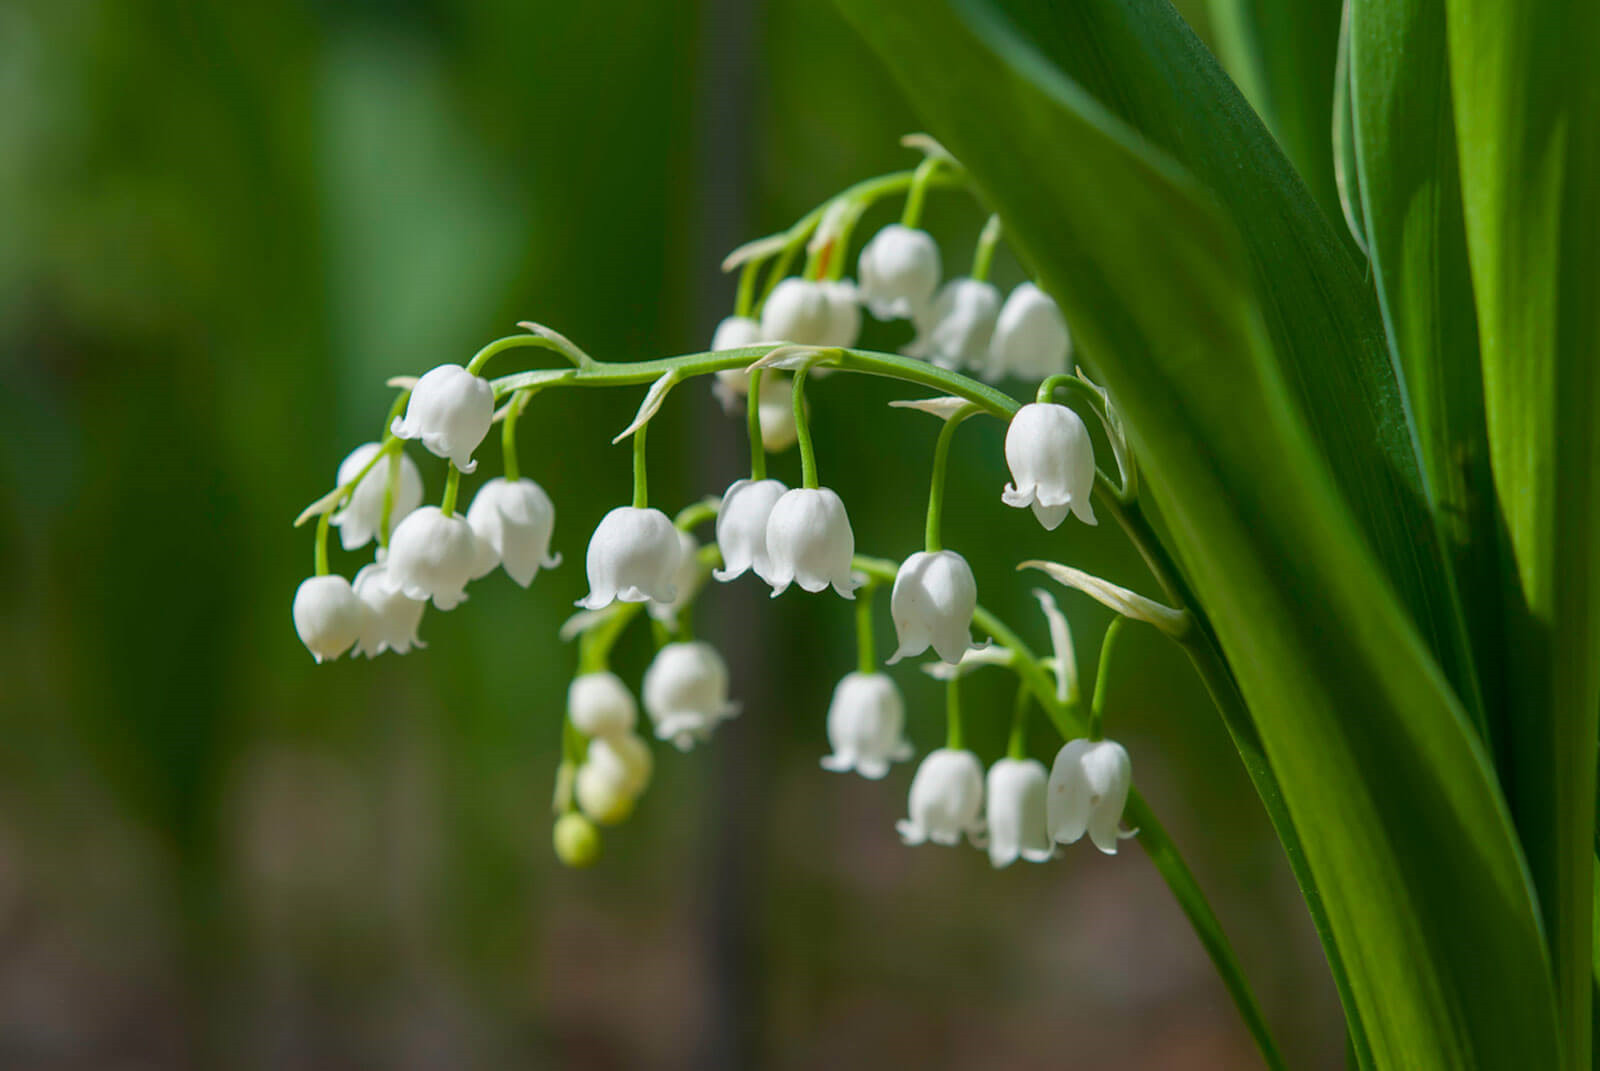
{"type": "Point", "coordinates": [1051, 458]}
{"type": "Point", "coordinates": [809, 542]}
{"type": "Point", "coordinates": [742, 527]}
{"type": "Point", "coordinates": [1015, 812]}
{"type": "Point", "coordinates": [450, 411]}
{"type": "Point", "coordinates": [932, 604]}
{"type": "Point", "coordinates": [955, 331]}
{"type": "Point", "coordinates": [1030, 337]}
{"type": "Point", "coordinates": [392, 618]}
{"type": "Point", "coordinates": [361, 517]}
{"type": "Point", "coordinates": [327, 615]}
{"type": "Point", "coordinates": [431, 556]}
{"type": "Point", "coordinates": [686, 580]}
{"type": "Point", "coordinates": [946, 796]}
{"type": "Point", "coordinates": [899, 270]}
{"type": "Point", "coordinates": [800, 311]}
{"type": "Point", "coordinates": [624, 756]}
{"type": "Point", "coordinates": [776, 413]}
{"type": "Point", "coordinates": [513, 521]}
{"type": "Point", "coordinates": [602, 795]}
{"type": "Point", "coordinates": [633, 556]}
{"type": "Point", "coordinates": [866, 726]}
{"type": "Point", "coordinates": [599, 705]}
{"type": "Point", "coordinates": [686, 692]}
{"type": "Point", "coordinates": [1088, 789]}
{"type": "Point", "coordinates": [577, 841]}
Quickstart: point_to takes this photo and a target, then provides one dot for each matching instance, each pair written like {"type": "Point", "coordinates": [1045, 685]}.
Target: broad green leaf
{"type": "Point", "coordinates": [1404, 138]}
{"type": "Point", "coordinates": [1281, 53]}
{"type": "Point", "coordinates": [1140, 60]}
{"type": "Point", "coordinates": [1526, 90]}
{"type": "Point", "coordinates": [1431, 928]}
{"type": "Point", "coordinates": [1346, 173]}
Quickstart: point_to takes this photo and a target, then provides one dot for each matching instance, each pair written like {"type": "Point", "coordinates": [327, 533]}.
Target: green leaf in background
{"type": "Point", "coordinates": [1346, 172]}
{"type": "Point", "coordinates": [1139, 59]}
{"type": "Point", "coordinates": [1404, 141]}
{"type": "Point", "coordinates": [1433, 934]}
{"type": "Point", "coordinates": [1281, 54]}
{"type": "Point", "coordinates": [1527, 112]}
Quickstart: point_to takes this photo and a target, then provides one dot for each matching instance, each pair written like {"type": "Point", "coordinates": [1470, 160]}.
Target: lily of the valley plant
{"type": "Point", "coordinates": [1344, 391]}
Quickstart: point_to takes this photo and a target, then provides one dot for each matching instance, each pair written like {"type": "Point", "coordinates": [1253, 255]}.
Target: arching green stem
{"type": "Point", "coordinates": [390, 483]}
{"type": "Point", "coordinates": [918, 193]}
{"type": "Point", "coordinates": [319, 555]}
{"type": "Point", "coordinates": [1102, 678]}
{"type": "Point", "coordinates": [866, 641]}
{"type": "Point", "coordinates": [510, 342]}
{"type": "Point", "coordinates": [954, 738]}
{"type": "Point", "coordinates": [744, 297]}
{"type": "Point", "coordinates": [508, 433]}
{"type": "Point", "coordinates": [641, 487]}
{"type": "Point", "coordinates": [452, 485]}
{"type": "Point", "coordinates": [802, 431]}
{"type": "Point", "coordinates": [752, 420]}
{"type": "Point", "coordinates": [983, 255]}
{"type": "Point", "coordinates": [1017, 741]}
{"type": "Point", "coordinates": [941, 462]}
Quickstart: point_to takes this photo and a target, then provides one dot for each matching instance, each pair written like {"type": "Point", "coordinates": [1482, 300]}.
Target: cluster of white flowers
{"type": "Point", "coordinates": [617, 764]}
{"type": "Point", "coordinates": [424, 554]}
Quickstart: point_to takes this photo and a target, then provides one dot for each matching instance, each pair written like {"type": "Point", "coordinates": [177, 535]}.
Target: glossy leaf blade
{"type": "Point", "coordinates": [1408, 841]}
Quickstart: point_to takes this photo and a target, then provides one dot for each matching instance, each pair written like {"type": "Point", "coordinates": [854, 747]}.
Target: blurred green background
{"type": "Point", "coordinates": [224, 226]}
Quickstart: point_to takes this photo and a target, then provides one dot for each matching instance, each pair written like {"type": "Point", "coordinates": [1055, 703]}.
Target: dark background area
{"type": "Point", "coordinates": [224, 226]}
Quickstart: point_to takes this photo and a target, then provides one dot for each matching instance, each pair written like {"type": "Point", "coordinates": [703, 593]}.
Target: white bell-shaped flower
{"type": "Point", "coordinates": [328, 616]}
{"type": "Point", "coordinates": [810, 543]}
{"type": "Point", "coordinates": [600, 705]}
{"type": "Point", "coordinates": [633, 556]}
{"type": "Point", "coordinates": [602, 794]}
{"type": "Point", "coordinates": [1088, 789]}
{"type": "Point", "coordinates": [932, 603]}
{"type": "Point", "coordinates": [800, 311]}
{"type": "Point", "coordinates": [686, 580]}
{"type": "Point", "coordinates": [899, 271]}
{"type": "Point", "coordinates": [946, 799]}
{"type": "Point", "coordinates": [450, 411]}
{"type": "Point", "coordinates": [742, 527]}
{"type": "Point", "coordinates": [392, 617]}
{"type": "Point", "coordinates": [686, 692]}
{"type": "Point", "coordinates": [1030, 337]}
{"type": "Point", "coordinates": [955, 331]}
{"type": "Point", "coordinates": [624, 756]}
{"type": "Point", "coordinates": [432, 556]}
{"type": "Point", "coordinates": [866, 726]}
{"type": "Point", "coordinates": [513, 521]}
{"type": "Point", "coordinates": [358, 522]}
{"type": "Point", "coordinates": [1051, 458]}
{"type": "Point", "coordinates": [775, 410]}
{"type": "Point", "coordinates": [735, 332]}
{"type": "Point", "coordinates": [844, 314]}
{"type": "Point", "coordinates": [1014, 812]}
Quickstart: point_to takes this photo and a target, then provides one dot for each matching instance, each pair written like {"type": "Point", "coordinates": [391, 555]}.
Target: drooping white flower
{"type": "Point", "coordinates": [1015, 812]}
{"type": "Point", "coordinates": [734, 332]}
{"type": "Point", "coordinates": [810, 543]}
{"type": "Point", "coordinates": [1030, 337]}
{"type": "Point", "coordinates": [932, 603]}
{"type": "Point", "coordinates": [866, 726]}
{"type": "Point", "coordinates": [955, 330]}
{"type": "Point", "coordinates": [602, 794]}
{"type": "Point", "coordinates": [899, 271]}
{"type": "Point", "coordinates": [327, 615]}
{"type": "Point", "coordinates": [600, 705]}
{"type": "Point", "coordinates": [686, 692]}
{"type": "Point", "coordinates": [742, 527]}
{"type": "Point", "coordinates": [1051, 458]}
{"type": "Point", "coordinates": [513, 521]}
{"type": "Point", "coordinates": [392, 617]}
{"type": "Point", "coordinates": [450, 411]}
{"type": "Point", "coordinates": [800, 311]}
{"type": "Point", "coordinates": [633, 556]}
{"type": "Point", "coordinates": [358, 522]}
{"type": "Point", "coordinates": [624, 756]}
{"type": "Point", "coordinates": [946, 799]}
{"type": "Point", "coordinates": [432, 556]}
{"type": "Point", "coordinates": [686, 580]}
{"type": "Point", "coordinates": [844, 314]}
{"type": "Point", "coordinates": [1088, 789]}
{"type": "Point", "coordinates": [775, 410]}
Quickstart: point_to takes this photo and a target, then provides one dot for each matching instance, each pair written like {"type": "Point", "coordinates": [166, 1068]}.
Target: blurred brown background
{"type": "Point", "coordinates": [224, 226]}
